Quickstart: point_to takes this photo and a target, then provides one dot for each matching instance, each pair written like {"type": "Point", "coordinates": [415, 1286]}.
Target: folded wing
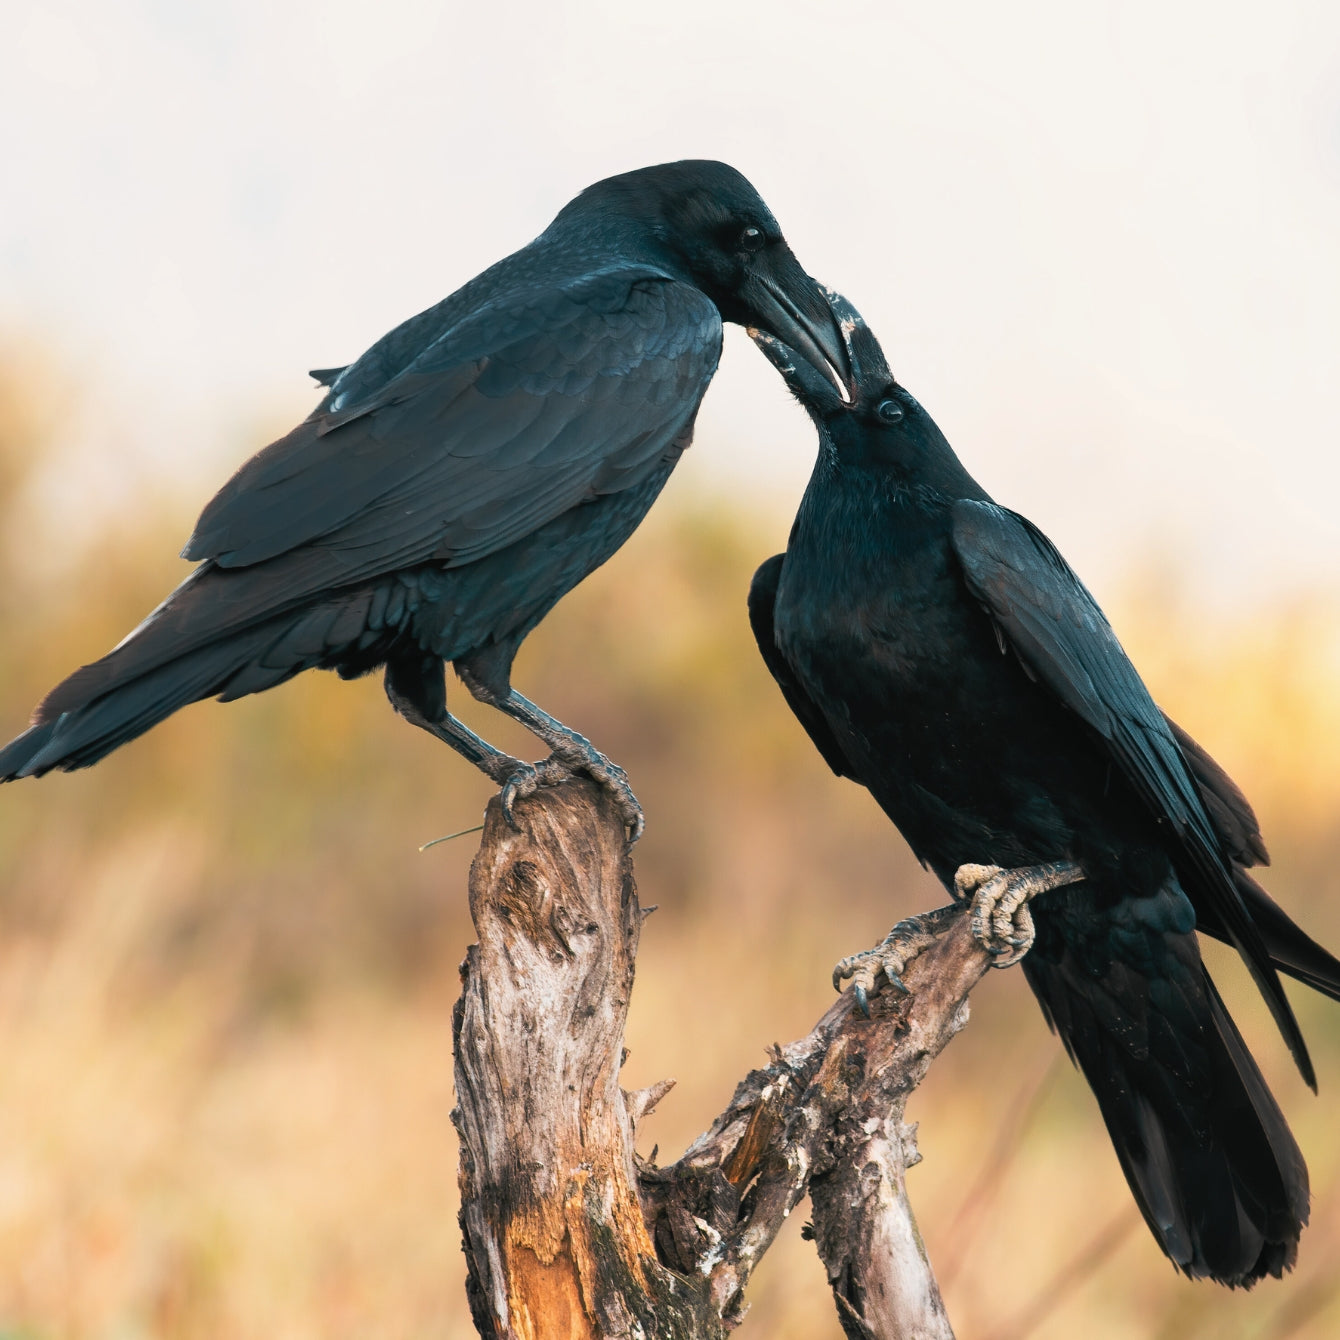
{"type": "Point", "coordinates": [1055, 627]}
{"type": "Point", "coordinates": [509, 418]}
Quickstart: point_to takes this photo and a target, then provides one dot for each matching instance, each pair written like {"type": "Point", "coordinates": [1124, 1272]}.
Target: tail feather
{"type": "Point", "coordinates": [20, 751]}
{"type": "Point", "coordinates": [1205, 1148]}
{"type": "Point", "coordinates": [152, 674]}
{"type": "Point", "coordinates": [1291, 949]}
{"type": "Point", "coordinates": [81, 735]}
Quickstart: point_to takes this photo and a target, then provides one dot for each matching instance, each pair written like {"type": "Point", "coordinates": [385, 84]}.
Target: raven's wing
{"type": "Point", "coordinates": [1292, 949]}
{"type": "Point", "coordinates": [1058, 632]}
{"type": "Point", "coordinates": [522, 410]}
{"type": "Point", "coordinates": [1229, 810]}
{"type": "Point", "coordinates": [762, 602]}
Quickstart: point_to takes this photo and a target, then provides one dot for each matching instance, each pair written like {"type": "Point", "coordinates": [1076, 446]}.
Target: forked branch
{"type": "Point", "coordinates": [567, 1233]}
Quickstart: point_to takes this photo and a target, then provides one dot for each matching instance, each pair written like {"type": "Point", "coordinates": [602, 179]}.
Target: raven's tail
{"type": "Point", "coordinates": [1207, 1152]}
{"type": "Point", "coordinates": [1291, 949]}
{"type": "Point", "coordinates": [200, 643]}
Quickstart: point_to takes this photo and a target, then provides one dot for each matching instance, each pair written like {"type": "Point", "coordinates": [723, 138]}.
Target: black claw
{"type": "Point", "coordinates": [862, 1001]}
{"type": "Point", "coordinates": [527, 778]}
{"type": "Point", "coordinates": [897, 983]}
{"type": "Point", "coordinates": [507, 800]}
{"type": "Point", "coordinates": [528, 775]}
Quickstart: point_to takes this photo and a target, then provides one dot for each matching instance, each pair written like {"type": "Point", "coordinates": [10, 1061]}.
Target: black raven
{"type": "Point", "coordinates": [463, 475]}
{"type": "Point", "coordinates": [940, 652]}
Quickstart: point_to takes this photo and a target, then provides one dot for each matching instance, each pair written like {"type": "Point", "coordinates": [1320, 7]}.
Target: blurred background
{"type": "Point", "coordinates": [1098, 242]}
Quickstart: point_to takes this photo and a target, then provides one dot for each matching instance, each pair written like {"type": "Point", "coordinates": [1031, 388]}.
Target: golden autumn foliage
{"type": "Point", "coordinates": [226, 970]}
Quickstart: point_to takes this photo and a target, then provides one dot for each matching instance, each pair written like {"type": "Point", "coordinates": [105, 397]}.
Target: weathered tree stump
{"type": "Point", "coordinates": [567, 1234]}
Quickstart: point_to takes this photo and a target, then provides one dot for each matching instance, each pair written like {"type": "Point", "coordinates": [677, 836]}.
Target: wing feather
{"type": "Point", "coordinates": [1055, 627]}
{"type": "Point", "coordinates": [762, 607]}
{"type": "Point", "coordinates": [515, 414]}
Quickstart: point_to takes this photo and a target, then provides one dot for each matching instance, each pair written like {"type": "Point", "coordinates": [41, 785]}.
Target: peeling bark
{"type": "Point", "coordinates": [566, 1233]}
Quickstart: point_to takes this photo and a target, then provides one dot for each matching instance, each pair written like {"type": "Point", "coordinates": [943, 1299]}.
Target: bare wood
{"type": "Point", "coordinates": [863, 1223]}
{"type": "Point", "coordinates": [825, 1116]}
{"type": "Point", "coordinates": [556, 1241]}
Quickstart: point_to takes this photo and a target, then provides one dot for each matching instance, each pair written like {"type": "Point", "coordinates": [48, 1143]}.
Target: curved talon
{"type": "Point", "coordinates": [573, 751]}
{"type": "Point", "coordinates": [634, 820]}
{"type": "Point", "coordinates": [888, 961]}
{"type": "Point", "coordinates": [615, 780]}
{"type": "Point", "coordinates": [526, 779]}
{"type": "Point", "coordinates": [843, 969]}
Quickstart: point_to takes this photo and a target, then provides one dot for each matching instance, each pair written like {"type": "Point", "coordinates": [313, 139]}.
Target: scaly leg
{"type": "Point", "coordinates": [1001, 920]}
{"type": "Point", "coordinates": [890, 958]}
{"type": "Point", "coordinates": [571, 752]}
{"type": "Point", "coordinates": [516, 777]}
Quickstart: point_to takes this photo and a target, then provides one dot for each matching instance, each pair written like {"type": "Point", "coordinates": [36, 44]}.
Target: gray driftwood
{"type": "Point", "coordinates": [568, 1235]}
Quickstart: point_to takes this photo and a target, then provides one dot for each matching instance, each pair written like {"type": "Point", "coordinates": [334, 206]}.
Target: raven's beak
{"type": "Point", "coordinates": [787, 304]}
{"type": "Point", "coordinates": [869, 368]}
{"type": "Point", "coordinates": [812, 386]}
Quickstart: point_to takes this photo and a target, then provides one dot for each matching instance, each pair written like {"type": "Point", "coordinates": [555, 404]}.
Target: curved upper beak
{"type": "Point", "coordinates": [787, 304]}
{"type": "Point", "coordinates": [864, 367]}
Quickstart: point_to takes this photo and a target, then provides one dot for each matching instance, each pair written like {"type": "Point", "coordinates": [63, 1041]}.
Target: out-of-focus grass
{"type": "Point", "coordinates": [226, 971]}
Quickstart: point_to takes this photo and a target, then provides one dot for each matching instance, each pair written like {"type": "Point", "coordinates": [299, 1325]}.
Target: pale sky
{"type": "Point", "coordinates": [1100, 242]}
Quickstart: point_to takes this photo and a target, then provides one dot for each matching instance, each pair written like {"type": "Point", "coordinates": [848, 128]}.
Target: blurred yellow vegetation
{"type": "Point", "coordinates": [226, 971]}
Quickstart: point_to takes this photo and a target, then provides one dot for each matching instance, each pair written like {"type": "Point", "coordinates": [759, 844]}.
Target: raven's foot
{"type": "Point", "coordinates": [1001, 921]}
{"type": "Point", "coordinates": [889, 959]}
{"type": "Point", "coordinates": [570, 750]}
{"type": "Point", "coordinates": [580, 755]}
{"type": "Point", "coordinates": [525, 779]}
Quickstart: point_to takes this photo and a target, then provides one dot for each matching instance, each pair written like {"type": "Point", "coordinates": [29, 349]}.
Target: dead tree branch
{"type": "Point", "coordinates": [567, 1234]}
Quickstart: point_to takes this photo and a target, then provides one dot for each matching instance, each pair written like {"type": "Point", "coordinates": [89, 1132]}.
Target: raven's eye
{"type": "Point", "coordinates": [889, 410]}
{"type": "Point", "coordinates": [752, 239]}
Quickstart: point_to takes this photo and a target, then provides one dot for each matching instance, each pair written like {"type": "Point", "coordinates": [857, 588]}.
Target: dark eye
{"type": "Point", "coordinates": [752, 239]}
{"type": "Point", "coordinates": [889, 410]}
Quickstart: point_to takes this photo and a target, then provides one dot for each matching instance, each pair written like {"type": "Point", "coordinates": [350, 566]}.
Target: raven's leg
{"type": "Point", "coordinates": [1001, 920]}
{"type": "Point", "coordinates": [890, 959]}
{"type": "Point", "coordinates": [573, 752]}
{"type": "Point", "coordinates": [491, 761]}
{"type": "Point", "coordinates": [577, 753]}
{"type": "Point", "coordinates": [418, 693]}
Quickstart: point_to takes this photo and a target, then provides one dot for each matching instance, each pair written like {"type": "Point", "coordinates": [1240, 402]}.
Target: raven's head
{"type": "Point", "coordinates": [714, 229]}
{"type": "Point", "coordinates": [882, 425]}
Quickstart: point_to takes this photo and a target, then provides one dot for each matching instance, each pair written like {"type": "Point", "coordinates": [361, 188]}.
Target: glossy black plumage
{"type": "Point", "coordinates": [463, 474]}
{"type": "Point", "coordinates": [939, 651]}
